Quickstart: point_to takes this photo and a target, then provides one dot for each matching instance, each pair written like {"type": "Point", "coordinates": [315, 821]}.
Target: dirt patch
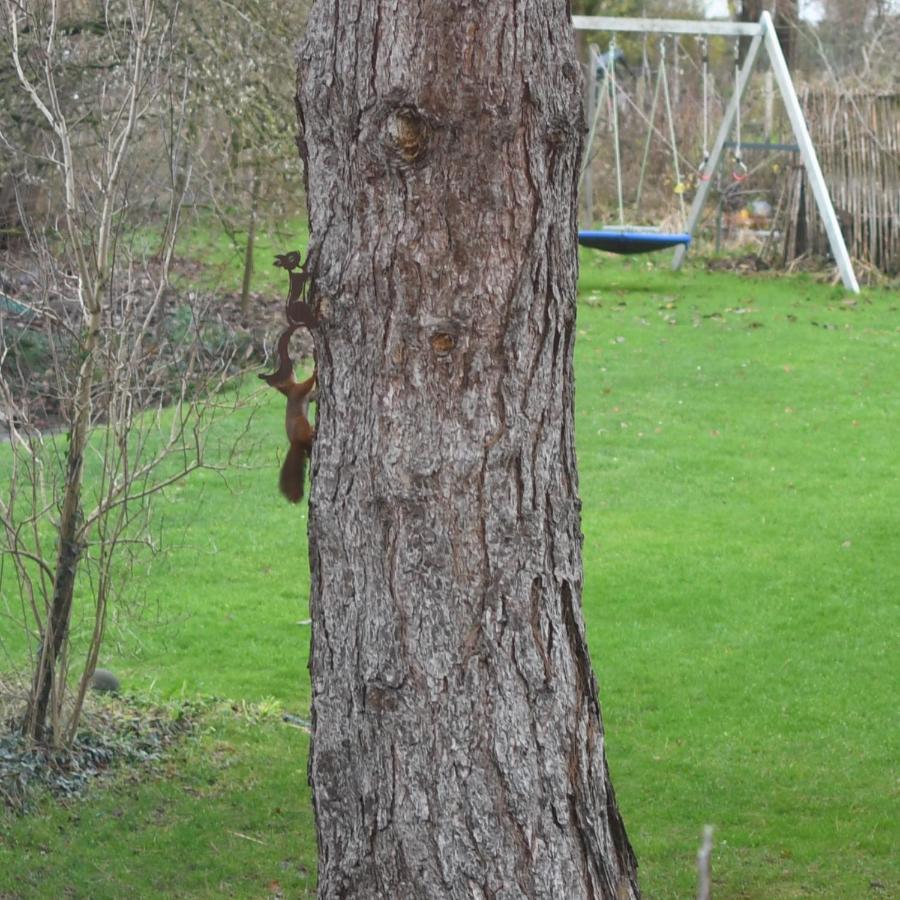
{"type": "Point", "coordinates": [38, 321]}
{"type": "Point", "coordinates": [749, 262]}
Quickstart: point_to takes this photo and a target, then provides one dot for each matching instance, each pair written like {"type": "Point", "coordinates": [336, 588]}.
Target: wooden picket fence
{"type": "Point", "coordinates": [857, 140]}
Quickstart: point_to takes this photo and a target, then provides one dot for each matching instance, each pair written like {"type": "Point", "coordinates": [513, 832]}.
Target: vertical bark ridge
{"type": "Point", "coordinates": [458, 749]}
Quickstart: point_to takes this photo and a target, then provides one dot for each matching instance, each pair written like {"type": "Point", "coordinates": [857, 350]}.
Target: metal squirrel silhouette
{"type": "Point", "coordinates": [300, 433]}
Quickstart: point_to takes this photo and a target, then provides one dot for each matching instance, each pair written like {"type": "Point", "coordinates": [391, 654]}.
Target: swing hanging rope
{"type": "Point", "coordinates": [704, 62]}
{"type": "Point", "coordinates": [630, 239]}
{"type": "Point", "coordinates": [679, 184]}
{"type": "Point", "coordinates": [662, 86]}
{"type": "Point", "coordinates": [614, 110]}
{"type": "Point", "coordinates": [739, 173]}
{"type": "Point", "coordinates": [652, 123]}
{"type": "Point", "coordinates": [598, 104]}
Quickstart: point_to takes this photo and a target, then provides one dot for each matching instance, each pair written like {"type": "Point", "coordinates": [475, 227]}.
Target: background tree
{"type": "Point", "coordinates": [857, 44]}
{"type": "Point", "coordinates": [223, 148]}
{"type": "Point", "coordinates": [238, 60]}
{"type": "Point", "coordinates": [73, 505]}
{"type": "Point", "coordinates": [458, 749]}
{"type": "Point", "coordinates": [680, 9]}
{"type": "Point", "coordinates": [785, 15]}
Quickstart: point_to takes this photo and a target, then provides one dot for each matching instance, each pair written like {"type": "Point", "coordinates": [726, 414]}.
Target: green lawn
{"type": "Point", "coordinates": [738, 472]}
{"type": "Point", "coordinates": [223, 258]}
{"type": "Point", "coordinates": [738, 476]}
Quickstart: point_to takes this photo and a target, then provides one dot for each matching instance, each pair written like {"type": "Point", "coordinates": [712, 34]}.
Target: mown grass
{"type": "Point", "coordinates": [222, 255]}
{"type": "Point", "coordinates": [226, 815]}
{"type": "Point", "coordinates": [737, 449]}
{"type": "Point", "coordinates": [736, 445]}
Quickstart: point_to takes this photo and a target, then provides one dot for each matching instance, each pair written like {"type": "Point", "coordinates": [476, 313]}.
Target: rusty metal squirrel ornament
{"type": "Point", "coordinates": [300, 433]}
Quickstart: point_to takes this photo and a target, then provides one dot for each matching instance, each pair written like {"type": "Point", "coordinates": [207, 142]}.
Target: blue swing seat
{"type": "Point", "coordinates": [630, 241]}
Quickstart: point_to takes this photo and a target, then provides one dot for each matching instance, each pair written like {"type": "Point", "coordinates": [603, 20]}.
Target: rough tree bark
{"type": "Point", "coordinates": [458, 750]}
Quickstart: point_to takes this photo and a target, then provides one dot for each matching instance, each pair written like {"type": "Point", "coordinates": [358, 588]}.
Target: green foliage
{"type": "Point", "coordinates": [737, 473]}
{"type": "Point", "coordinates": [114, 731]}
{"type": "Point", "coordinates": [189, 332]}
{"type": "Point", "coordinates": [28, 349]}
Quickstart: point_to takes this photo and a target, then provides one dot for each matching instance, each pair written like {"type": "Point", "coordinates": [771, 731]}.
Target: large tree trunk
{"type": "Point", "coordinates": [458, 750]}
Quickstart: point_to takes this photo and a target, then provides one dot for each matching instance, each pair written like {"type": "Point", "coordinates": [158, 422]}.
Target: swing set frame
{"type": "Point", "coordinates": [762, 34]}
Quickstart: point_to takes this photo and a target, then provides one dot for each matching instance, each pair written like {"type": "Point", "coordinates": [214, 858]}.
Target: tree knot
{"type": "Point", "coordinates": [410, 133]}
{"type": "Point", "coordinates": [442, 343]}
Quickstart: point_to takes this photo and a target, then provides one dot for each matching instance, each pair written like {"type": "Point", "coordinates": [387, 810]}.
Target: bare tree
{"type": "Point", "coordinates": [98, 313]}
{"type": "Point", "coordinates": [856, 44]}
{"type": "Point", "coordinates": [458, 749]}
{"type": "Point", "coordinates": [785, 15]}
{"type": "Point", "coordinates": [238, 59]}
{"type": "Point", "coordinates": [225, 102]}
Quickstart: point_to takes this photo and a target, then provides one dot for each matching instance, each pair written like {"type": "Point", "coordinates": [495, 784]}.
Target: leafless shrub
{"type": "Point", "coordinates": [131, 391]}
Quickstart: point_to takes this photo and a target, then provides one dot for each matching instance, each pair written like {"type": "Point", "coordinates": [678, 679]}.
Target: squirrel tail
{"type": "Point", "coordinates": [292, 473]}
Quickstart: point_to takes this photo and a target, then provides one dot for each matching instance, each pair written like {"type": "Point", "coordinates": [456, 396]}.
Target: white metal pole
{"type": "Point", "coordinates": [664, 26]}
{"type": "Point", "coordinates": [808, 153]}
{"type": "Point", "coordinates": [709, 169]}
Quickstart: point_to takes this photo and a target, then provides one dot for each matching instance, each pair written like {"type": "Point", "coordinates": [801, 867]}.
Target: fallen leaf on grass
{"type": "Point", "coordinates": [247, 837]}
